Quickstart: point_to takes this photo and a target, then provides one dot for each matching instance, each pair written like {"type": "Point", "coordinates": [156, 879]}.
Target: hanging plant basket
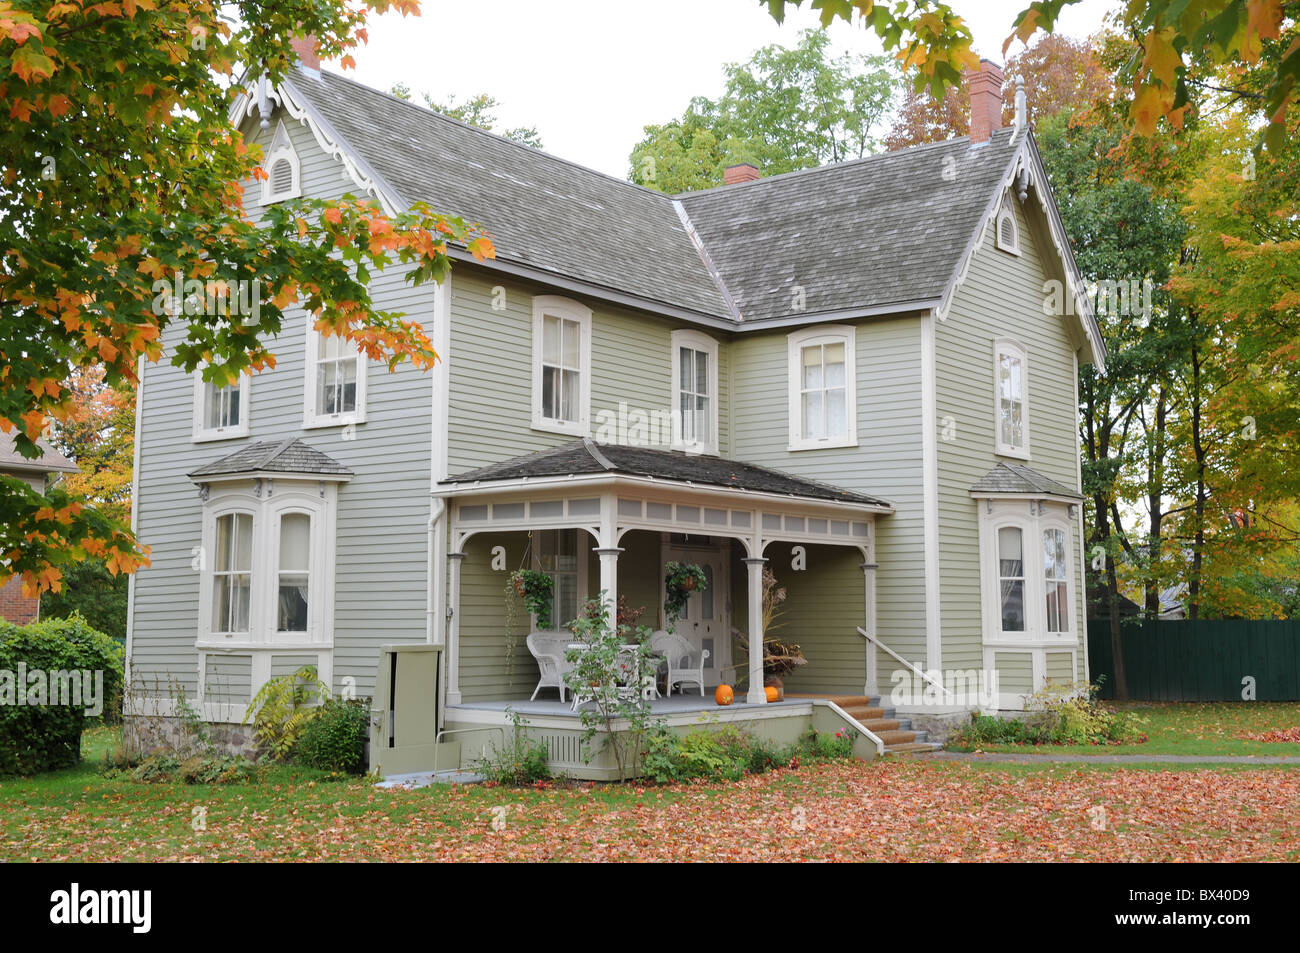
{"type": "Point", "coordinates": [680, 580]}
{"type": "Point", "coordinates": [536, 588]}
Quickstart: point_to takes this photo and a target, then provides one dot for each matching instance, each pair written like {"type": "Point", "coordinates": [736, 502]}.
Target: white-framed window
{"type": "Point", "coordinates": [822, 388]}
{"type": "Point", "coordinates": [220, 413]}
{"type": "Point", "coordinates": [1011, 399]}
{"type": "Point", "coordinates": [1056, 588]}
{"type": "Point", "coordinates": [561, 365]}
{"type": "Point", "coordinates": [267, 564]}
{"type": "Point", "coordinates": [336, 381]}
{"type": "Point", "coordinates": [232, 574]}
{"type": "Point", "coordinates": [283, 176]}
{"type": "Point", "coordinates": [695, 391]}
{"type": "Point", "coordinates": [1007, 233]}
{"type": "Point", "coordinates": [1027, 567]}
{"type": "Point", "coordinates": [560, 554]}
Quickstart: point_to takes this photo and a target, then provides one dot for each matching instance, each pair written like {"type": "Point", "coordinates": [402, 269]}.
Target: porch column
{"type": "Point", "coordinates": [756, 695]}
{"type": "Point", "coordinates": [871, 686]}
{"type": "Point", "coordinates": [609, 577]}
{"type": "Point", "coordinates": [453, 628]}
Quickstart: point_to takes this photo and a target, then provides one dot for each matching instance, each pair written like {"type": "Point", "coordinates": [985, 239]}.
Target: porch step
{"type": "Point", "coordinates": [913, 747]}
{"type": "Point", "coordinates": [896, 733]}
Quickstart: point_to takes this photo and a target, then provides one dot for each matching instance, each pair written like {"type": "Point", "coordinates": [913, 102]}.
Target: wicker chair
{"type": "Point", "coordinates": [685, 661]}
{"type": "Point", "coordinates": [549, 649]}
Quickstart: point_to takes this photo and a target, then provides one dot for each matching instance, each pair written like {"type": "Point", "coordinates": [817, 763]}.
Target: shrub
{"type": "Point", "coordinates": [827, 747]}
{"type": "Point", "coordinates": [200, 769]}
{"type": "Point", "coordinates": [333, 739]}
{"type": "Point", "coordinates": [1058, 715]}
{"type": "Point", "coordinates": [282, 707]}
{"type": "Point", "coordinates": [521, 762]}
{"type": "Point", "coordinates": [44, 737]}
{"type": "Point", "coordinates": [725, 755]}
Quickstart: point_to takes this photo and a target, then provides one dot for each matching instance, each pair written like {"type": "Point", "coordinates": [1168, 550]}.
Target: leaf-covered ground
{"type": "Point", "coordinates": [888, 810]}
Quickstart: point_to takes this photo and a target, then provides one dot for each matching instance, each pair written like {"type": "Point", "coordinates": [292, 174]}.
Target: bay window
{"type": "Point", "coordinates": [1011, 578]}
{"type": "Point", "coordinates": [1027, 566]}
{"type": "Point", "coordinates": [232, 574]}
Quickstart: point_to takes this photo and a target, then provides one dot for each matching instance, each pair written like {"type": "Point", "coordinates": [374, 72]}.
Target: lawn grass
{"type": "Point", "coordinates": [891, 809]}
{"type": "Point", "coordinates": [1192, 728]}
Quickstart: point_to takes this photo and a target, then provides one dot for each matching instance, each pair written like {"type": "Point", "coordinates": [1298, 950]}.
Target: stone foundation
{"type": "Point", "coordinates": [143, 735]}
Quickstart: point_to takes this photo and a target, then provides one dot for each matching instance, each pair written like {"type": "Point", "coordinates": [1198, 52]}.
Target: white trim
{"type": "Point", "coordinates": [281, 150]}
{"type": "Point", "coordinates": [796, 341]}
{"type": "Point", "coordinates": [1032, 519]}
{"type": "Point", "coordinates": [696, 341]}
{"type": "Point", "coordinates": [566, 309]}
{"type": "Point", "coordinates": [135, 519]}
{"type": "Point", "coordinates": [309, 496]}
{"type": "Point", "coordinates": [1007, 213]}
{"type": "Point", "coordinates": [1012, 348]}
{"type": "Point", "coordinates": [311, 417]}
{"type": "Point", "coordinates": [1081, 577]}
{"type": "Point", "coordinates": [204, 434]}
{"type": "Point", "coordinates": [930, 493]}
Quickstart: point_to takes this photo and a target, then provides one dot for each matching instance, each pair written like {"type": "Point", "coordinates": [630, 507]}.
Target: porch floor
{"type": "Point", "coordinates": [674, 705]}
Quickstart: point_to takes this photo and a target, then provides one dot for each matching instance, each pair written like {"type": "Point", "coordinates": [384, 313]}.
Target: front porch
{"type": "Point", "coordinates": [603, 522]}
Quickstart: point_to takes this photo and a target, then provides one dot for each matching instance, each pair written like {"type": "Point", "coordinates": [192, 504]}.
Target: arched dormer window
{"type": "Point", "coordinates": [282, 175]}
{"type": "Point", "coordinates": [1008, 231]}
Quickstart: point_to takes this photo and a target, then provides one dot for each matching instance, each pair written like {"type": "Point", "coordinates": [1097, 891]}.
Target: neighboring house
{"type": "Point", "coordinates": [847, 375]}
{"type": "Point", "coordinates": [37, 473]}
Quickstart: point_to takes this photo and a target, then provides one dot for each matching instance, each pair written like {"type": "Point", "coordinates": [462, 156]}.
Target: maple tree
{"type": "Point", "coordinates": [1061, 75]}
{"type": "Point", "coordinates": [119, 169]}
{"type": "Point", "coordinates": [1176, 43]}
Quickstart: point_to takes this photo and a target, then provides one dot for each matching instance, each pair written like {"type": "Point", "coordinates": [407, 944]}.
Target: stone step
{"type": "Point", "coordinates": [913, 748]}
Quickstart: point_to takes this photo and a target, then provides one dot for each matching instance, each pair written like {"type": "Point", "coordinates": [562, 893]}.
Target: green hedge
{"type": "Point", "coordinates": [39, 736]}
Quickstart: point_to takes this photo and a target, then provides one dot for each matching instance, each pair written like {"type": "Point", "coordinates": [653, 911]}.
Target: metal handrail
{"type": "Point", "coordinates": [929, 678]}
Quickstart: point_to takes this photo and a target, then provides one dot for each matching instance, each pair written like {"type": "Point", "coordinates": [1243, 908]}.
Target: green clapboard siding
{"type": "Point", "coordinates": [228, 678]}
{"type": "Point", "coordinates": [1002, 297]}
{"type": "Point", "coordinates": [1060, 666]}
{"type": "Point", "coordinates": [1015, 672]}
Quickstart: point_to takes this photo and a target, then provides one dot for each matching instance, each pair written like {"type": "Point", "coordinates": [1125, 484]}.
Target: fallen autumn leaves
{"type": "Point", "coordinates": [886, 811]}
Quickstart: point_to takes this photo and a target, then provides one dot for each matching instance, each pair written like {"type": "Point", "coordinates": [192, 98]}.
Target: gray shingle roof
{"type": "Point", "coordinates": [879, 231]}
{"type": "Point", "coordinates": [858, 236]}
{"type": "Point", "coordinates": [274, 456]}
{"type": "Point", "coordinates": [1018, 478]}
{"type": "Point", "coordinates": [50, 460]}
{"type": "Point", "coordinates": [541, 211]}
{"type": "Point", "coordinates": [585, 457]}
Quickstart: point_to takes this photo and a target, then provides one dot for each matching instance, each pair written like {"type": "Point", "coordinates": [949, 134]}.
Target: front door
{"type": "Point", "coordinates": [706, 622]}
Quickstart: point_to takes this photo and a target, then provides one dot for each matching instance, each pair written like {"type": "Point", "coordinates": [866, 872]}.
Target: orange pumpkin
{"type": "Point", "coordinates": [724, 695]}
{"type": "Point", "coordinates": [771, 693]}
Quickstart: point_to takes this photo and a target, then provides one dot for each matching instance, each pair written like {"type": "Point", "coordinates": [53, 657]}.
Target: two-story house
{"type": "Point", "coordinates": [860, 377]}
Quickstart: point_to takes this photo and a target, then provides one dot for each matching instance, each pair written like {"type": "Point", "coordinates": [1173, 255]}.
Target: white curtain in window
{"type": "Point", "coordinates": [295, 564]}
{"type": "Point", "coordinates": [1011, 574]}
{"type": "Point", "coordinates": [1058, 615]}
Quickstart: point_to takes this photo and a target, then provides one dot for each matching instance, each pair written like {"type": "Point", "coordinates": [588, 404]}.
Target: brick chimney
{"type": "Point", "coordinates": [985, 100]}
{"type": "Point", "coordinates": [305, 47]}
{"type": "Point", "coordinates": [740, 173]}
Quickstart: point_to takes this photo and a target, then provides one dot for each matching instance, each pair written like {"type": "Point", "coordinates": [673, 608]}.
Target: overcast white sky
{"type": "Point", "coordinates": [590, 74]}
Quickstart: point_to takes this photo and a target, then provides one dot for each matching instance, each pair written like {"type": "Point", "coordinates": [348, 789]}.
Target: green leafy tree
{"type": "Point", "coordinates": [783, 109]}
{"type": "Point", "coordinates": [119, 169]}
{"type": "Point", "coordinates": [479, 110]}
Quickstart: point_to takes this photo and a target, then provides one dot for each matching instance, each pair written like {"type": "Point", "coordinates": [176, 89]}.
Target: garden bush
{"type": "Point", "coordinates": [333, 738]}
{"type": "Point", "coordinates": [35, 735]}
{"type": "Point", "coordinates": [1058, 715]}
{"type": "Point", "coordinates": [520, 762]}
{"type": "Point", "coordinates": [200, 769]}
{"type": "Point", "coordinates": [729, 754]}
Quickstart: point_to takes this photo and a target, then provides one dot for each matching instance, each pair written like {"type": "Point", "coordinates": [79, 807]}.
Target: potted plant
{"type": "Point", "coordinates": [680, 580]}
{"type": "Point", "coordinates": [780, 658]}
{"type": "Point", "coordinates": [537, 589]}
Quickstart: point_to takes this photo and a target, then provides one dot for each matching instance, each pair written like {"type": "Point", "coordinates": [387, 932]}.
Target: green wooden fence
{"type": "Point", "coordinates": [1200, 660]}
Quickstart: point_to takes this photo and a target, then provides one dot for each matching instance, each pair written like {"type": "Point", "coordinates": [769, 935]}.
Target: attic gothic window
{"type": "Point", "coordinates": [1008, 232]}
{"type": "Point", "coordinates": [281, 168]}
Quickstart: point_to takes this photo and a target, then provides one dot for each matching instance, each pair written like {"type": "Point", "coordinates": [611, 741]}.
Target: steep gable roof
{"type": "Point", "coordinates": [886, 234]}
{"type": "Point", "coordinates": [883, 233]}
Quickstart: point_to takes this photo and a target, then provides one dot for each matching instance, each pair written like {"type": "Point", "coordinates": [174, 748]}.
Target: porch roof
{"type": "Point", "coordinates": [583, 457]}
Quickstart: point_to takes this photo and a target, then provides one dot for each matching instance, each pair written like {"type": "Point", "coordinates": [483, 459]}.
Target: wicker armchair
{"type": "Point", "coordinates": [685, 661]}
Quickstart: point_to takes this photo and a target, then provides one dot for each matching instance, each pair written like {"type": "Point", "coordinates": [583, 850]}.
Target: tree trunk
{"type": "Point", "coordinates": [1198, 453]}
{"type": "Point", "coordinates": [1155, 512]}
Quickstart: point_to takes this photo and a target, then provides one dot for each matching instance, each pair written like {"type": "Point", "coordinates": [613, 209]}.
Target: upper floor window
{"type": "Point", "coordinates": [822, 398]}
{"type": "Point", "coordinates": [336, 381]}
{"type": "Point", "coordinates": [1012, 399]}
{"type": "Point", "coordinates": [281, 166]}
{"type": "Point", "coordinates": [561, 365]}
{"type": "Point", "coordinates": [220, 412]}
{"type": "Point", "coordinates": [695, 390]}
